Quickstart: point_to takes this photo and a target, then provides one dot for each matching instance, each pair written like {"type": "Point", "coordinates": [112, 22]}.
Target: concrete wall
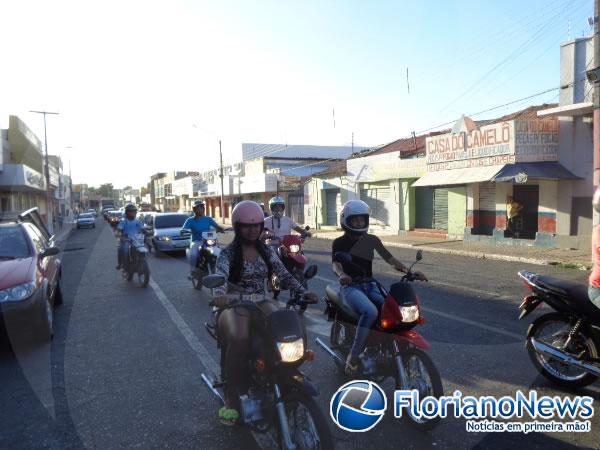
{"type": "Point", "coordinates": [457, 211]}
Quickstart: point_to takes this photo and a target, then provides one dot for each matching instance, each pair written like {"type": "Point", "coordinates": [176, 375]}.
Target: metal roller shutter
{"type": "Point", "coordinates": [487, 196]}
{"type": "Point", "coordinates": [331, 201]}
{"type": "Point", "coordinates": [424, 207]}
{"type": "Point", "coordinates": [440, 209]}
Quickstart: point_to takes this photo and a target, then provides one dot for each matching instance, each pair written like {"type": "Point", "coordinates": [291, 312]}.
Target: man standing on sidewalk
{"type": "Point", "coordinates": [515, 219]}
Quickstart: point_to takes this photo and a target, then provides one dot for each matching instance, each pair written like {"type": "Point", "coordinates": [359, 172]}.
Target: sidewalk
{"type": "Point", "coordinates": [575, 259]}
{"type": "Point", "coordinates": [63, 234]}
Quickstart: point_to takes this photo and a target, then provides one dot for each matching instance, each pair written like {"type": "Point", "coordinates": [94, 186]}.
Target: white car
{"type": "Point", "coordinates": [86, 220]}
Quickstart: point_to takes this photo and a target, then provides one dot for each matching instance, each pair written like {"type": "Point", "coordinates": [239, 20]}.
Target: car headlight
{"type": "Point", "coordinates": [409, 313]}
{"type": "Point", "coordinates": [295, 248]}
{"type": "Point", "coordinates": [163, 238]}
{"type": "Point", "coordinates": [17, 293]}
{"type": "Point", "coordinates": [211, 242]}
{"type": "Point", "coordinates": [291, 351]}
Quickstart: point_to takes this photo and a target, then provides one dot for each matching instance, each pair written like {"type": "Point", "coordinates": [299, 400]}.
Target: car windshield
{"type": "Point", "coordinates": [13, 243]}
{"type": "Point", "coordinates": [170, 221]}
{"type": "Point", "coordinates": [86, 216]}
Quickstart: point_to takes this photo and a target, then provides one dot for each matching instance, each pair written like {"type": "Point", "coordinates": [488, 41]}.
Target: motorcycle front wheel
{"type": "Point", "coordinates": [424, 377]}
{"type": "Point", "coordinates": [553, 329]}
{"type": "Point", "coordinates": [307, 424]}
{"type": "Point", "coordinates": [143, 273]}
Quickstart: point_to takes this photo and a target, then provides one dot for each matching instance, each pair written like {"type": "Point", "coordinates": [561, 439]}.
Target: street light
{"type": "Point", "coordinates": [48, 195]}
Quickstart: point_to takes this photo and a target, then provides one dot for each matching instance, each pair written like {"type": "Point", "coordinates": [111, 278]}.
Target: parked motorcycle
{"type": "Point", "coordinates": [137, 263]}
{"type": "Point", "coordinates": [289, 249]}
{"type": "Point", "coordinates": [209, 251]}
{"type": "Point", "coordinates": [278, 396]}
{"type": "Point", "coordinates": [564, 345]}
{"type": "Point", "coordinates": [393, 349]}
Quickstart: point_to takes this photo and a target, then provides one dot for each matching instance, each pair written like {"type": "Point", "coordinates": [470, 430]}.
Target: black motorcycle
{"type": "Point", "coordinates": [278, 396]}
{"type": "Point", "coordinates": [564, 345]}
{"type": "Point", "coordinates": [136, 261]}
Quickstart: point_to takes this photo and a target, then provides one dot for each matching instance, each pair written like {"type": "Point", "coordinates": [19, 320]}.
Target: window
{"type": "Point", "coordinates": [170, 221]}
{"type": "Point", "coordinates": [39, 242]}
{"type": "Point", "coordinates": [13, 243]}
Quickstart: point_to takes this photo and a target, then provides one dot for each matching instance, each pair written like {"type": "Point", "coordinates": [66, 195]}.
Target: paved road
{"type": "Point", "coordinates": [124, 367]}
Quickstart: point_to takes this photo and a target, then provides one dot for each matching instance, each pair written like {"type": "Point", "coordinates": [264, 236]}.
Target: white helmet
{"type": "Point", "coordinates": [354, 208]}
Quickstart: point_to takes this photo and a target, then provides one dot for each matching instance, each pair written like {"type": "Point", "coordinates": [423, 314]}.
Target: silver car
{"type": "Point", "coordinates": [165, 232]}
{"type": "Point", "coordinates": [86, 220]}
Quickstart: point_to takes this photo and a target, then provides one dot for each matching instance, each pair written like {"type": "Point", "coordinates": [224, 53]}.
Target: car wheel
{"type": "Point", "coordinates": [45, 323]}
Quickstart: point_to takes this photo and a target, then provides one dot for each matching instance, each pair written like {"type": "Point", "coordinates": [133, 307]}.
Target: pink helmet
{"type": "Point", "coordinates": [247, 211]}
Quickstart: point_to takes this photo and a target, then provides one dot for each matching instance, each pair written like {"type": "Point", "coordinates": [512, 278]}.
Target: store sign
{"type": "Point", "coordinates": [34, 179]}
{"type": "Point", "coordinates": [483, 146]}
{"type": "Point", "coordinates": [536, 140]}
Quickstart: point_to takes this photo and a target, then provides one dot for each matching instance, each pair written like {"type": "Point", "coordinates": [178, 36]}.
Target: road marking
{"type": "Point", "coordinates": [264, 440]}
{"type": "Point", "coordinates": [461, 319]}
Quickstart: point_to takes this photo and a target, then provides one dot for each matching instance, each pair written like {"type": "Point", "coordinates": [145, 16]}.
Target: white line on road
{"type": "Point", "coordinates": [264, 440]}
{"type": "Point", "coordinates": [457, 318]}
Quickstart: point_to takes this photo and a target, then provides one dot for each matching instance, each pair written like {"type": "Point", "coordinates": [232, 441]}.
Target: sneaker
{"type": "Point", "coordinates": [352, 363]}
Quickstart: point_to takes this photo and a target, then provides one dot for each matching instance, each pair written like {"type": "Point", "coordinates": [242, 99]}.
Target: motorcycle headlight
{"type": "Point", "coordinates": [210, 242]}
{"type": "Point", "coordinates": [291, 351]}
{"type": "Point", "coordinates": [17, 293]}
{"type": "Point", "coordinates": [409, 313]}
{"type": "Point", "coordinates": [268, 241]}
{"type": "Point", "coordinates": [295, 248]}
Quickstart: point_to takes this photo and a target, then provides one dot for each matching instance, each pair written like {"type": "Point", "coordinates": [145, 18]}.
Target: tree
{"type": "Point", "coordinates": [105, 190]}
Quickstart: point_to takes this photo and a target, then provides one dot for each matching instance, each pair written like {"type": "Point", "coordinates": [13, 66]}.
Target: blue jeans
{"type": "Point", "coordinates": [366, 300]}
{"type": "Point", "coordinates": [594, 294]}
{"type": "Point", "coordinates": [124, 253]}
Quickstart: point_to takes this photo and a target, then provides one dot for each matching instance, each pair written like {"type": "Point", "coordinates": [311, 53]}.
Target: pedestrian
{"type": "Point", "coordinates": [60, 221]}
{"type": "Point", "coordinates": [515, 219]}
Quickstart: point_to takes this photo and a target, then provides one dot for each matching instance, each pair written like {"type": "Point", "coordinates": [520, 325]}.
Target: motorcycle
{"type": "Point", "coordinates": [209, 251]}
{"type": "Point", "coordinates": [290, 252]}
{"type": "Point", "coordinates": [137, 263]}
{"type": "Point", "coordinates": [277, 395]}
{"type": "Point", "coordinates": [393, 349]}
{"type": "Point", "coordinates": [564, 345]}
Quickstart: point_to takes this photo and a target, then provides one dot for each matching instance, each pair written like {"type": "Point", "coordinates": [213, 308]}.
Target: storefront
{"type": "Point", "coordinates": [475, 173]}
{"type": "Point", "coordinates": [21, 188]}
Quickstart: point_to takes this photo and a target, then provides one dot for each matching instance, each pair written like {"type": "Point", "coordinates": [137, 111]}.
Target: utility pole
{"type": "Point", "coordinates": [353, 143]}
{"type": "Point", "coordinates": [49, 211]}
{"type": "Point", "coordinates": [221, 175]}
{"type": "Point", "coordinates": [596, 120]}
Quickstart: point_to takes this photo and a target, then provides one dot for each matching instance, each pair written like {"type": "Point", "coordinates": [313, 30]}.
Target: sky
{"type": "Point", "coordinates": [152, 86]}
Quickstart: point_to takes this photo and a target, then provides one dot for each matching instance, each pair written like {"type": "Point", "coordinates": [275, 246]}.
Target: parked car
{"type": "Point", "coordinates": [86, 220]}
{"type": "Point", "coordinates": [30, 274]}
{"type": "Point", "coordinates": [165, 233]}
{"type": "Point", "coordinates": [114, 217]}
{"type": "Point", "coordinates": [93, 212]}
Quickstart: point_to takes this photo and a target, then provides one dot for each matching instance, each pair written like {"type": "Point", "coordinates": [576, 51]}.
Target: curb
{"type": "Point", "coordinates": [479, 255]}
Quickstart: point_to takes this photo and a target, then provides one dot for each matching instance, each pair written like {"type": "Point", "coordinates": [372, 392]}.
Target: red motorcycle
{"type": "Point", "coordinates": [393, 349]}
{"type": "Point", "coordinates": [290, 252]}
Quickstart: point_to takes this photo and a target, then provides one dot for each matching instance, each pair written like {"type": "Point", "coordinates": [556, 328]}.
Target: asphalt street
{"type": "Point", "coordinates": [124, 367]}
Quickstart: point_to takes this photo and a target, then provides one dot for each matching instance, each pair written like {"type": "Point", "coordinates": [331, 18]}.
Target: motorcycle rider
{"type": "Point", "coordinates": [594, 280]}
{"type": "Point", "coordinates": [364, 298]}
{"type": "Point", "coordinates": [198, 224]}
{"type": "Point", "coordinates": [127, 228]}
{"type": "Point", "coordinates": [279, 224]}
{"type": "Point", "coordinates": [247, 263]}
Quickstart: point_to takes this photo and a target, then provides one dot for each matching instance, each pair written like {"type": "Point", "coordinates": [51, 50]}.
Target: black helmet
{"type": "Point", "coordinates": [198, 204]}
{"type": "Point", "coordinates": [130, 207]}
{"type": "Point", "coordinates": [596, 199]}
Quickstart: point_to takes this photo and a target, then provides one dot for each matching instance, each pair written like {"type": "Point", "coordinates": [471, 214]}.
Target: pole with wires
{"type": "Point", "coordinates": [221, 176]}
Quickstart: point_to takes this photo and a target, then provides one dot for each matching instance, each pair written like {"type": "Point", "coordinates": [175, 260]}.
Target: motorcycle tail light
{"type": "Point", "coordinates": [528, 286]}
{"type": "Point", "coordinates": [260, 365]}
{"type": "Point", "coordinates": [310, 355]}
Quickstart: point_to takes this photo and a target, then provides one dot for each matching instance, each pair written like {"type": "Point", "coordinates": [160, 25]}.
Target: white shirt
{"type": "Point", "coordinates": [280, 226]}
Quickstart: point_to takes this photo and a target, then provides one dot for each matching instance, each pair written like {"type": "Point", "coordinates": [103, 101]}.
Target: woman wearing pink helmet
{"type": "Point", "coordinates": [247, 263]}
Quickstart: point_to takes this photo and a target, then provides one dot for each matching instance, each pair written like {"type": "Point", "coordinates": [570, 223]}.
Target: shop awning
{"type": "Point", "coordinates": [458, 176]}
{"type": "Point", "coordinates": [550, 170]}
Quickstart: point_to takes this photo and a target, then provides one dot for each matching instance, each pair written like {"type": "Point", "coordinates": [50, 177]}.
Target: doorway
{"type": "Point", "coordinates": [529, 197]}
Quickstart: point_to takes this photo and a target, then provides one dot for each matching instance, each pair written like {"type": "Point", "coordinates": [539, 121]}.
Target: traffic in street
{"type": "Point", "coordinates": [124, 367]}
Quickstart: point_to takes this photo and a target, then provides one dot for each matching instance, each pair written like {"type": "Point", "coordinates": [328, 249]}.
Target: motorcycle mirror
{"type": "Point", "coordinates": [343, 257]}
{"type": "Point", "coordinates": [213, 281]}
{"type": "Point", "coordinates": [307, 228]}
{"type": "Point", "coordinates": [419, 255]}
{"type": "Point", "coordinates": [310, 272]}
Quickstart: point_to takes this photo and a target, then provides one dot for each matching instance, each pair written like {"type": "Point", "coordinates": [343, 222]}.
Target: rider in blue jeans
{"type": "Point", "coordinates": [128, 227]}
{"type": "Point", "coordinates": [358, 290]}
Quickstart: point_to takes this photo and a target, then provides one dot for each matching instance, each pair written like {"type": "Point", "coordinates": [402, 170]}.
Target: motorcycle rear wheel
{"type": "Point", "coordinates": [417, 363]}
{"type": "Point", "coordinates": [553, 370]}
{"type": "Point", "coordinates": [308, 426]}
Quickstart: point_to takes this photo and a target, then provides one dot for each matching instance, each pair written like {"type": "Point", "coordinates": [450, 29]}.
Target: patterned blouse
{"type": "Point", "coordinates": [255, 274]}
